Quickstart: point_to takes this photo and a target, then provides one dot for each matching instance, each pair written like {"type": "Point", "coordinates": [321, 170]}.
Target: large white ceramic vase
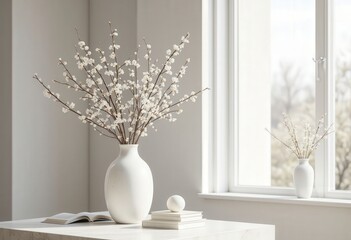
{"type": "Point", "coordinates": [303, 179]}
{"type": "Point", "coordinates": [128, 186]}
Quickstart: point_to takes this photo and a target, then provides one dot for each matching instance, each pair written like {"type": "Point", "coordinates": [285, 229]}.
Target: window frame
{"type": "Point", "coordinates": [220, 121]}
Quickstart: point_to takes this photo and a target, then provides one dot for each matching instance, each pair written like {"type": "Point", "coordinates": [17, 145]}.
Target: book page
{"type": "Point", "coordinates": [99, 216]}
{"type": "Point", "coordinates": [79, 217]}
{"type": "Point", "coordinates": [67, 218]}
{"type": "Point", "coordinates": [60, 218]}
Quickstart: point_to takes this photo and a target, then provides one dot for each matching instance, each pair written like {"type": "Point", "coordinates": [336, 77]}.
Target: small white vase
{"type": "Point", "coordinates": [128, 186]}
{"type": "Point", "coordinates": [303, 179]}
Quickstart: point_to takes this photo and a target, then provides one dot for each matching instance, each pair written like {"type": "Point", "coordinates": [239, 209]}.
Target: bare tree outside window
{"type": "Point", "coordinates": [343, 121]}
{"type": "Point", "coordinates": [291, 96]}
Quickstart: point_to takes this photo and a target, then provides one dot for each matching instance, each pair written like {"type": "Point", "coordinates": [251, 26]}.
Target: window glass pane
{"type": "Point", "coordinates": [341, 39]}
{"type": "Point", "coordinates": [276, 44]}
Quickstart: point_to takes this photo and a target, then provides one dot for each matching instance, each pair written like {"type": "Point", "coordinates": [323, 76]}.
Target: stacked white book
{"type": "Point", "coordinates": [174, 220]}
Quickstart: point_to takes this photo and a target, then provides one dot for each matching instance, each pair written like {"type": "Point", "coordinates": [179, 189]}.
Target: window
{"type": "Point", "coordinates": [262, 58]}
{"type": "Point", "coordinates": [341, 73]}
{"type": "Point", "coordinates": [275, 75]}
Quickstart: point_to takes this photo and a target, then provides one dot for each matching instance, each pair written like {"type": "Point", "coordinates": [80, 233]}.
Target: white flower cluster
{"type": "Point", "coordinates": [305, 143]}
{"type": "Point", "coordinates": [122, 103]}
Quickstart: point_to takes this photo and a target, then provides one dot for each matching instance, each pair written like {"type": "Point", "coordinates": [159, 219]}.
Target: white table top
{"type": "Point", "coordinates": [34, 229]}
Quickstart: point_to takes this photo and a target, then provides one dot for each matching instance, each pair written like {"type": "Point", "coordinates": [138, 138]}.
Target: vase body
{"type": "Point", "coordinates": [128, 186]}
{"type": "Point", "coordinates": [303, 179]}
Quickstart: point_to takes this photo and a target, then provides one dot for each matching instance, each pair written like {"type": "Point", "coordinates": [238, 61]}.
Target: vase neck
{"type": "Point", "coordinates": [303, 160]}
{"type": "Point", "coordinates": [125, 149]}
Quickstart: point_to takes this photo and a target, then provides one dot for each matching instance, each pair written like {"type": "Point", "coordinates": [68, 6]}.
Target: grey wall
{"type": "Point", "coordinates": [5, 109]}
{"type": "Point", "coordinates": [166, 28]}
{"type": "Point", "coordinates": [174, 152]}
{"type": "Point", "coordinates": [123, 15]}
{"type": "Point", "coordinates": [54, 177]}
{"type": "Point", "coordinates": [44, 169]}
{"type": "Point", "coordinates": [50, 149]}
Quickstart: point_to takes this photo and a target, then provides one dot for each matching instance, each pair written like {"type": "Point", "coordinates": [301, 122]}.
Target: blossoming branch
{"type": "Point", "coordinates": [305, 144]}
{"type": "Point", "coordinates": [122, 102]}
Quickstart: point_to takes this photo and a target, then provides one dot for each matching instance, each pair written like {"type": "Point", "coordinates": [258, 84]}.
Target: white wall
{"type": "Point", "coordinates": [50, 149]}
{"type": "Point", "coordinates": [5, 109]}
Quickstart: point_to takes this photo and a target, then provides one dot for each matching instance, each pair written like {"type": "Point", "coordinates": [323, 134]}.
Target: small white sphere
{"type": "Point", "coordinates": [176, 203]}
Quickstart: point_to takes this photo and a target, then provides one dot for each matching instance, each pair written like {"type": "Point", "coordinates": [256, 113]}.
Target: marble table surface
{"type": "Point", "coordinates": [33, 229]}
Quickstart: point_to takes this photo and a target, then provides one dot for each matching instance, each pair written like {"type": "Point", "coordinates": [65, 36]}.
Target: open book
{"type": "Point", "coordinates": [67, 218]}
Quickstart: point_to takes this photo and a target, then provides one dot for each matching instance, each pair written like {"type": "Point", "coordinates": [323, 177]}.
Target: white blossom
{"type": "Point", "coordinates": [98, 67]}
{"type": "Point", "coordinates": [89, 82]}
{"type": "Point", "coordinates": [123, 101]}
{"type": "Point", "coordinates": [81, 43]}
{"type": "Point", "coordinates": [193, 97]}
{"type": "Point", "coordinates": [109, 73]}
{"type": "Point", "coordinates": [46, 93]}
{"type": "Point", "coordinates": [168, 67]}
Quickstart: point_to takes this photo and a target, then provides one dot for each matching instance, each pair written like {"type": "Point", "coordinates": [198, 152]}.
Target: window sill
{"type": "Point", "coordinates": [265, 198]}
